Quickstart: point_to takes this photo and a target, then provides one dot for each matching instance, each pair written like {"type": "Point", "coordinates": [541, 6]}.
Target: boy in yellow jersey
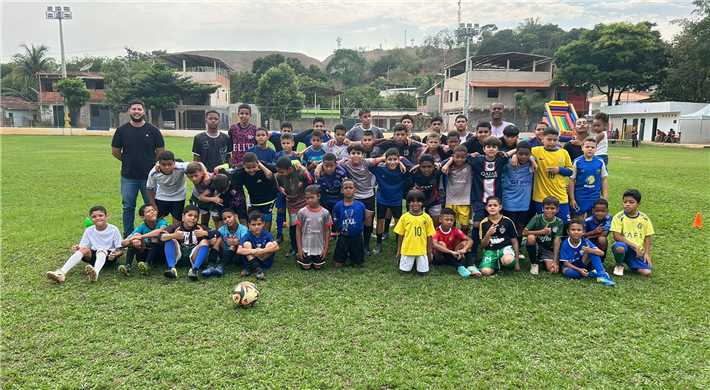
{"type": "Point", "coordinates": [632, 231]}
{"type": "Point", "coordinates": [415, 230]}
{"type": "Point", "coordinates": [553, 168]}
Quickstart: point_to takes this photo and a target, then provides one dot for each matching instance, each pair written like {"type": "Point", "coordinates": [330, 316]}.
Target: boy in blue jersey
{"type": "Point", "coordinates": [330, 182]}
{"type": "Point", "coordinates": [633, 232]}
{"type": "Point", "coordinates": [588, 181]}
{"type": "Point", "coordinates": [262, 150]}
{"type": "Point", "coordinates": [517, 184]}
{"type": "Point", "coordinates": [144, 242]}
{"type": "Point", "coordinates": [349, 221]}
{"type": "Point", "coordinates": [313, 154]}
{"type": "Point", "coordinates": [391, 179]}
{"type": "Point", "coordinates": [258, 246]}
{"type": "Point", "coordinates": [259, 182]}
{"type": "Point", "coordinates": [230, 235]}
{"type": "Point", "coordinates": [288, 146]}
{"type": "Point", "coordinates": [580, 258]}
{"type": "Point", "coordinates": [597, 225]}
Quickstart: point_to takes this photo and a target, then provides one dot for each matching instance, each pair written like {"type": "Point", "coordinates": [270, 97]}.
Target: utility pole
{"type": "Point", "coordinates": [59, 12]}
{"type": "Point", "coordinates": [405, 37]}
{"type": "Point", "coordinates": [339, 41]}
{"type": "Point", "coordinates": [467, 31]}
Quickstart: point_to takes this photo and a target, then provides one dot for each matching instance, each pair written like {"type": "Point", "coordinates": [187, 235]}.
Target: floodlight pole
{"type": "Point", "coordinates": [466, 81]}
{"type": "Point", "coordinates": [61, 44]}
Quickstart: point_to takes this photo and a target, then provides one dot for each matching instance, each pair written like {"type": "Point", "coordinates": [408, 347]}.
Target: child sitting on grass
{"type": "Point", "coordinates": [186, 241]}
{"type": "Point", "coordinates": [100, 242]}
{"type": "Point", "coordinates": [452, 246]}
{"type": "Point", "coordinates": [349, 219]}
{"type": "Point", "coordinates": [144, 243]}
{"type": "Point", "coordinates": [231, 234]}
{"type": "Point", "coordinates": [415, 230]}
{"type": "Point", "coordinates": [499, 240]}
{"type": "Point", "coordinates": [312, 231]}
{"type": "Point", "coordinates": [597, 225]}
{"type": "Point", "coordinates": [258, 246]}
{"type": "Point", "coordinates": [633, 232]}
{"type": "Point", "coordinates": [544, 232]}
{"type": "Point", "coordinates": [580, 258]}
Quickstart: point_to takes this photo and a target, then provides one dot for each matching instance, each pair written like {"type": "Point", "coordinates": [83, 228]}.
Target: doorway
{"type": "Point", "coordinates": [654, 128]}
{"type": "Point", "coordinates": [641, 128]}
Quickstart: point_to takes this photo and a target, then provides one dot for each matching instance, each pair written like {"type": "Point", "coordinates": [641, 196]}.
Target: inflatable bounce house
{"type": "Point", "coordinates": [562, 116]}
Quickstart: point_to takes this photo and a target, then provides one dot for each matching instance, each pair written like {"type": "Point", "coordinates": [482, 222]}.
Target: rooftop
{"type": "Point", "coordinates": [176, 59]}
{"type": "Point", "coordinates": [17, 103]}
{"type": "Point", "coordinates": [81, 75]}
{"type": "Point", "coordinates": [511, 60]}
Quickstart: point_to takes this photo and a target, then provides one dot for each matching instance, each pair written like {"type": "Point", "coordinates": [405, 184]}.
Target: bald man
{"type": "Point", "coordinates": [497, 122]}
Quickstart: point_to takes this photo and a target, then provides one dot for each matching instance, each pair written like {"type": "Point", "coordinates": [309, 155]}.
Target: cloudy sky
{"type": "Point", "coordinates": [104, 28]}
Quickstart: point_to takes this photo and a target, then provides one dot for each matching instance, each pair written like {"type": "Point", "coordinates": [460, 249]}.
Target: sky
{"type": "Point", "coordinates": [104, 28]}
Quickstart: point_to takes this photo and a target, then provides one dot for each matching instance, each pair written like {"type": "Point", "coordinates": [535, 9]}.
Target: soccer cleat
{"type": "Point", "coordinates": [593, 274]}
{"type": "Point", "coordinates": [377, 250]}
{"type": "Point", "coordinates": [534, 269]}
{"type": "Point", "coordinates": [57, 276]}
{"type": "Point", "coordinates": [474, 271]}
{"type": "Point", "coordinates": [260, 275]}
{"type": "Point", "coordinates": [192, 274]}
{"type": "Point", "coordinates": [90, 273]}
{"type": "Point", "coordinates": [171, 273]}
{"type": "Point", "coordinates": [367, 251]}
{"type": "Point", "coordinates": [385, 236]}
{"type": "Point", "coordinates": [606, 281]}
{"type": "Point", "coordinates": [218, 271]}
{"type": "Point", "coordinates": [463, 272]}
{"type": "Point", "coordinates": [207, 272]}
{"type": "Point", "coordinates": [619, 270]}
{"type": "Point", "coordinates": [245, 272]}
{"type": "Point", "coordinates": [279, 239]}
{"type": "Point", "coordinates": [142, 267]}
{"type": "Point", "coordinates": [124, 270]}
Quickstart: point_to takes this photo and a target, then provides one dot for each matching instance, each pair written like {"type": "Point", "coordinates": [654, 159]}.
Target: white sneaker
{"type": "Point", "coordinates": [90, 273]}
{"type": "Point", "coordinates": [521, 257]}
{"type": "Point", "coordinates": [534, 269]}
{"type": "Point", "coordinates": [57, 276]}
{"type": "Point", "coordinates": [619, 270]}
{"type": "Point", "coordinates": [474, 271]}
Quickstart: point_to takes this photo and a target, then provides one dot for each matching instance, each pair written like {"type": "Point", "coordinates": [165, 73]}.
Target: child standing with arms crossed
{"type": "Point", "coordinates": [312, 231]}
{"type": "Point", "coordinates": [415, 231]}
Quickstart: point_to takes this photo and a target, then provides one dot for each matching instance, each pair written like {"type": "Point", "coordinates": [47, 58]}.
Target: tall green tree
{"type": "Point", "coordinates": [243, 87]}
{"type": "Point", "coordinates": [529, 105]}
{"type": "Point", "coordinates": [347, 66]}
{"type": "Point", "coordinates": [278, 94]}
{"type": "Point", "coordinates": [613, 58]}
{"type": "Point", "coordinates": [403, 101]}
{"type": "Point", "coordinates": [75, 94]}
{"type": "Point", "coordinates": [30, 61]}
{"type": "Point", "coordinates": [363, 96]}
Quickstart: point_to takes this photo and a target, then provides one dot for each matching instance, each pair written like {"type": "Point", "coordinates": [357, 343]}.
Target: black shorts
{"type": "Point", "coordinates": [349, 248]}
{"type": "Point", "coordinates": [92, 259]}
{"type": "Point", "coordinates": [311, 260]}
{"type": "Point", "coordinates": [369, 203]}
{"type": "Point", "coordinates": [519, 218]}
{"type": "Point", "coordinates": [266, 209]}
{"type": "Point", "coordinates": [382, 211]}
{"type": "Point", "coordinates": [170, 207]}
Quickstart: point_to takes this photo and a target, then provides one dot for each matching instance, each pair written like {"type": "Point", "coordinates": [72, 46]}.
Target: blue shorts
{"type": "Point", "coordinates": [631, 257]}
{"type": "Point", "coordinates": [584, 206]}
{"type": "Point", "coordinates": [280, 201]}
{"type": "Point", "coordinates": [263, 264]}
{"type": "Point", "coordinates": [562, 213]}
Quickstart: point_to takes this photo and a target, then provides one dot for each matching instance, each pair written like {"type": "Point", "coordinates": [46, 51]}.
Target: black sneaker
{"type": "Point", "coordinates": [367, 251]}
{"type": "Point", "coordinates": [260, 275]}
{"type": "Point", "coordinates": [171, 273]}
{"type": "Point", "coordinates": [378, 249]}
{"type": "Point", "coordinates": [192, 274]}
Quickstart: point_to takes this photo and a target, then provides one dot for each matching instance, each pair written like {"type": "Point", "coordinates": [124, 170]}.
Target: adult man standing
{"type": "Point", "coordinates": [365, 117]}
{"type": "Point", "coordinates": [574, 146]}
{"type": "Point", "coordinates": [497, 122]}
{"type": "Point", "coordinates": [212, 147]}
{"type": "Point", "coordinates": [136, 145]}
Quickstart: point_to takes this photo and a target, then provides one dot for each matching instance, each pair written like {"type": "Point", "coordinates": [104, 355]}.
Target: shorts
{"type": "Point", "coordinates": [266, 209]}
{"type": "Point", "coordinates": [316, 260]}
{"type": "Point", "coordinates": [406, 263]}
{"type": "Point", "coordinates": [92, 260]}
{"type": "Point", "coordinates": [491, 257]}
{"type": "Point", "coordinates": [584, 207]}
{"type": "Point", "coordinates": [631, 257]}
{"type": "Point", "coordinates": [544, 253]}
{"type": "Point", "coordinates": [519, 218]}
{"type": "Point", "coordinates": [263, 264]}
{"type": "Point", "coordinates": [478, 211]}
{"type": "Point", "coordinates": [382, 211]}
{"type": "Point", "coordinates": [172, 207]}
{"type": "Point", "coordinates": [463, 214]}
{"type": "Point", "coordinates": [212, 209]}
{"type": "Point", "coordinates": [349, 248]}
{"type": "Point", "coordinates": [449, 259]}
{"type": "Point", "coordinates": [280, 202]}
{"type": "Point", "coordinates": [433, 210]}
{"type": "Point", "coordinates": [369, 203]}
{"type": "Point", "coordinates": [562, 213]}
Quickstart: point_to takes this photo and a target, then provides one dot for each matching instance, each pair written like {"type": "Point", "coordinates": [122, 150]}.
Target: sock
{"type": "Point", "coordinates": [366, 233]}
{"type": "Point", "coordinates": [598, 265]}
{"type": "Point", "coordinates": [532, 253]}
{"type": "Point", "coordinates": [619, 257]}
{"type": "Point", "coordinates": [100, 261]}
{"type": "Point", "coordinates": [292, 237]}
{"type": "Point", "coordinates": [73, 260]}
{"type": "Point", "coordinates": [212, 257]}
{"type": "Point", "coordinates": [280, 219]}
{"type": "Point", "coordinates": [387, 225]}
{"type": "Point", "coordinates": [202, 252]}
{"type": "Point", "coordinates": [130, 255]}
{"type": "Point", "coordinates": [379, 238]}
{"type": "Point", "coordinates": [170, 254]}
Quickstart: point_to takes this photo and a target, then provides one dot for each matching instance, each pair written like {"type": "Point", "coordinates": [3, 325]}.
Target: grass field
{"type": "Point", "coordinates": [352, 328]}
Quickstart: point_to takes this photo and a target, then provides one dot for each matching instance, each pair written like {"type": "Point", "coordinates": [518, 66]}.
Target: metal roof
{"type": "Point", "coordinates": [175, 59]}
{"type": "Point", "coordinates": [500, 61]}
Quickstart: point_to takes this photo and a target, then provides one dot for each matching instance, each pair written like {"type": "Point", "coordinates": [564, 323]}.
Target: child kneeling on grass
{"type": "Point", "coordinates": [452, 246]}
{"type": "Point", "coordinates": [100, 242]}
{"type": "Point", "coordinates": [633, 231]}
{"type": "Point", "coordinates": [258, 246]}
{"type": "Point", "coordinates": [499, 239]}
{"type": "Point", "coordinates": [186, 241]}
{"type": "Point", "coordinates": [415, 230]}
{"type": "Point", "coordinates": [580, 258]}
{"type": "Point", "coordinates": [144, 243]}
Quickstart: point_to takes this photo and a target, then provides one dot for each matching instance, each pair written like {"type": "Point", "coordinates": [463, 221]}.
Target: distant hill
{"type": "Point", "coordinates": [243, 60]}
{"type": "Point", "coordinates": [374, 55]}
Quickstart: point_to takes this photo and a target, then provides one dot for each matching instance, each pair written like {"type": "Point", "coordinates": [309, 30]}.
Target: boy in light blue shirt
{"type": "Point", "coordinates": [517, 186]}
{"type": "Point", "coordinates": [231, 234]}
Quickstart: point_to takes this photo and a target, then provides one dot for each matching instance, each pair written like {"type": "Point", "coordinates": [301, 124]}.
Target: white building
{"type": "Point", "coordinates": [647, 118]}
{"type": "Point", "coordinates": [396, 91]}
{"type": "Point", "coordinates": [696, 127]}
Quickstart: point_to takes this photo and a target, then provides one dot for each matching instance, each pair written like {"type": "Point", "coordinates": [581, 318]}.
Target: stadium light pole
{"type": "Point", "coordinates": [467, 31]}
{"type": "Point", "coordinates": [59, 12]}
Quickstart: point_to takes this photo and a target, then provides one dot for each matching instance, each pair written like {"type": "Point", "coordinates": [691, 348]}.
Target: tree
{"type": "Point", "coordinates": [613, 58]}
{"type": "Point", "coordinates": [403, 101]}
{"type": "Point", "coordinates": [243, 87]}
{"type": "Point", "coordinates": [87, 64]}
{"type": "Point", "coordinates": [500, 42]}
{"type": "Point", "coordinates": [262, 64]}
{"type": "Point", "coordinates": [30, 62]}
{"type": "Point", "coordinates": [347, 66]}
{"type": "Point", "coordinates": [529, 106]}
{"type": "Point", "coordinates": [74, 92]}
{"type": "Point", "coordinates": [278, 94]}
{"type": "Point", "coordinates": [362, 97]}
{"type": "Point", "coordinates": [688, 72]}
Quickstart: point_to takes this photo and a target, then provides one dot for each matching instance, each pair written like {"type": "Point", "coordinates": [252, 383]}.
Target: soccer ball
{"type": "Point", "coordinates": [245, 294]}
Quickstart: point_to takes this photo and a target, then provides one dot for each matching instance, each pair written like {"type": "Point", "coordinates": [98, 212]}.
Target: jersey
{"type": "Point", "coordinates": [313, 223]}
{"type": "Point", "coordinates": [349, 219]}
{"type": "Point", "coordinates": [487, 175]}
{"type": "Point", "coordinates": [588, 175]}
{"type": "Point", "coordinates": [243, 138]}
{"type": "Point", "coordinates": [170, 187]}
{"type": "Point", "coordinates": [590, 223]}
{"type": "Point", "coordinates": [107, 239]}
{"type": "Point", "coordinates": [311, 155]}
{"type": "Point", "coordinates": [261, 189]}
{"type": "Point", "coordinates": [189, 239]}
{"type": "Point", "coordinates": [340, 151]}
{"type": "Point", "coordinates": [295, 186]}
{"type": "Point", "coordinates": [416, 230]}
{"type": "Point", "coordinates": [503, 236]}
{"type": "Point", "coordinates": [573, 253]}
{"type": "Point", "coordinates": [259, 241]}
{"type": "Point", "coordinates": [391, 184]}
{"type": "Point", "coordinates": [212, 150]}
{"type": "Point", "coordinates": [145, 229]}
{"type": "Point", "coordinates": [429, 185]}
{"type": "Point", "coordinates": [362, 177]}
{"type": "Point", "coordinates": [451, 238]}
{"type": "Point", "coordinates": [635, 229]}
{"type": "Point", "coordinates": [550, 185]}
{"type": "Point", "coordinates": [240, 232]}
{"type": "Point", "coordinates": [458, 185]}
{"type": "Point", "coordinates": [538, 222]}
{"type": "Point", "coordinates": [331, 185]}
{"type": "Point", "coordinates": [265, 155]}
{"type": "Point", "coordinates": [517, 186]}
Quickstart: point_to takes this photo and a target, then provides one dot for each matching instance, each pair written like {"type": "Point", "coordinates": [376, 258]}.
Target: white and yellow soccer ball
{"type": "Point", "coordinates": [245, 294]}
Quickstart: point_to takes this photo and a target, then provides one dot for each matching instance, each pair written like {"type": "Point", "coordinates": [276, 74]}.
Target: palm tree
{"type": "Point", "coordinates": [32, 61]}
{"type": "Point", "coordinates": [529, 105]}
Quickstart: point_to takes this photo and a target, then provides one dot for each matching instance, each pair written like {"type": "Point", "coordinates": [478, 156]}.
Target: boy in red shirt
{"type": "Point", "coordinates": [452, 246]}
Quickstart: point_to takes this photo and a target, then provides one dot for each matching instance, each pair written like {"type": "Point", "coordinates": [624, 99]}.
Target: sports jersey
{"type": "Point", "coordinates": [168, 187]}
{"type": "Point", "coordinates": [189, 239]}
{"type": "Point", "coordinates": [295, 185]}
{"type": "Point", "coordinates": [573, 150]}
{"type": "Point", "coordinates": [573, 253]}
{"type": "Point", "coordinates": [204, 185]}
{"type": "Point", "coordinates": [212, 150]}
{"type": "Point", "coordinates": [265, 155]}
{"type": "Point", "coordinates": [451, 238]}
{"type": "Point", "coordinates": [391, 184]}
{"type": "Point", "coordinates": [473, 146]}
{"type": "Point", "coordinates": [550, 185]}
{"type": "Point", "coordinates": [313, 223]}
{"type": "Point", "coordinates": [538, 222]}
{"type": "Point", "coordinates": [349, 219]}
{"type": "Point", "coordinates": [313, 155]}
{"type": "Point", "coordinates": [331, 185]}
{"type": "Point", "coordinates": [590, 223]}
{"type": "Point", "coordinates": [635, 229]}
{"type": "Point", "coordinates": [356, 133]}
{"type": "Point", "coordinates": [458, 185]}
{"type": "Point", "coordinates": [410, 150]}
{"type": "Point", "coordinates": [588, 175]}
{"type": "Point", "coordinates": [340, 151]}
{"type": "Point", "coordinates": [145, 229]}
{"type": "Point", "coordinates": [243, 138]}
{"type": "Point", "coordinates": [293, 155]}
{"type": "Point", "coordinates": [486, 176]}
{"type": "Point", "coordinates": [362, 177]}
{"type": "Point", "coordinates": [305, 137]}
{"type": "Point", "coordinates": [503, 235]}
{"type": "Point", "coordinates": [517, 186]}
{"type": "Point", "coordinates": [240, 232]}
{"type": "Point", "coordinates": [429, 185]}
{"type": "Point", "coordinates": [94, 239]}
{"type": "Point", "coordinates": [415, 229]}
{"type": "Point", "coordinates": [261, 189]}
{"type": "Point", "coordinates": [259, 241]}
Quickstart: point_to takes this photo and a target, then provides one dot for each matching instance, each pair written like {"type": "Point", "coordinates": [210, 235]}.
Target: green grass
{"type": "Point", "coordinates": [353, 328]}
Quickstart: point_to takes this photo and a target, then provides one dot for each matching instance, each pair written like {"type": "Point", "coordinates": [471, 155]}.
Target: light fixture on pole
{"type": "Point", "coordinates": [59, 13]}
{"type": "Point", "coordinates": [469, 32]}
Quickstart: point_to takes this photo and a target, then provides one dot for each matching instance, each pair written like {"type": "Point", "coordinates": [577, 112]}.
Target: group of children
{"type": "Point", "coordinates": [465, 193]}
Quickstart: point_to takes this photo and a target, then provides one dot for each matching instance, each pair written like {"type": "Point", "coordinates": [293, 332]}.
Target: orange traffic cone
{"type": "Point", "coordinates": [698, 221]}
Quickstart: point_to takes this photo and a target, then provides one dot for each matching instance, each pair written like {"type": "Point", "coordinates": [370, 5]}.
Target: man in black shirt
{"type": "Point", "coordinates": [136, 145]}
{"type": "Point", "coordinates": [212, 147]}
{"type": "Point", "coordinates": [574, 146]}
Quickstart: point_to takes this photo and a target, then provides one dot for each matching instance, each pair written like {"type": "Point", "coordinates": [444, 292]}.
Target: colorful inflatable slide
{"type": "Point", "coordinates": [562, 116]}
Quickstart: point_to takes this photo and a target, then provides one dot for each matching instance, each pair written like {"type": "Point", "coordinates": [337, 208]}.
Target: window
{"type": "Point", "coordinates": [492, 93]}
{"type": "Point", "coordinates": [451, 96]}
{"type": "Point", "coordinates": [519, 91]}
{"type": "Point", "coordinates": [457, 96]}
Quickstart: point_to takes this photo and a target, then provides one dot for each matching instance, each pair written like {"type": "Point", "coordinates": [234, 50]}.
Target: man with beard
{"type": "Point", "coordinates": [574, 146]}
{"type": "Point", "coordinates": [497, 122]}
{"type": "Point", "coordinates": [136, 145]}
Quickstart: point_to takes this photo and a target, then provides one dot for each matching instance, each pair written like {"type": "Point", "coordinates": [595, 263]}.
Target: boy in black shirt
{"type": "Point", "coordinates": [212, 147]}
{"type": "Point", "coordinates": [499, 239]}
{"type": "Point", "coordinates": [260, 184]}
